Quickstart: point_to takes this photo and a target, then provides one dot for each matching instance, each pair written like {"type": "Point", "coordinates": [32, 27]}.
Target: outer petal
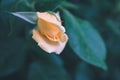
{"type": "Point", "coordinates": [51, 19]}
{"type": "Point", "coordinates": [61, 45]}
{"type": "Point", "coordinates": [47, 45]}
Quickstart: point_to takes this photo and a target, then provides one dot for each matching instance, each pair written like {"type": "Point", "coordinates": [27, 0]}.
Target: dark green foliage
{"type": "Point", "coordinates": [47, 5]}
{"type": "Point", "coordinates": [12, 52]}
{"type": "Point", "coordinates": [84, 40]}
{"type": "Point", "coordinates": [45, 68]}
{"type": "Point", "coordinates": [92, 52]}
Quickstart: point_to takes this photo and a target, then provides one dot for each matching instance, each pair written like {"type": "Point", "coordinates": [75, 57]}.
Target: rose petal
{"type": "Point", "coordinates": [47, 45]}
{"type": "Point", "coordinates": [50, 30]}
{"type": "Point", "coordinates": [62, 45]}
{"type": "Point", "coordinates": [51, 19]}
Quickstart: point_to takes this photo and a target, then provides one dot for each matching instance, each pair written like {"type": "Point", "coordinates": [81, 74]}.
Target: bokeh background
{"type": "Point", "coordinates": [22, 59]}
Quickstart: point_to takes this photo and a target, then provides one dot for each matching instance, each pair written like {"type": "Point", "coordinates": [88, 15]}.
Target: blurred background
{"type": "Point", "coordinates": [22, 59]}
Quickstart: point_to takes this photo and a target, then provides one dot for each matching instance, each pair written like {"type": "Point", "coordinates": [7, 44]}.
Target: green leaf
{"type": "Point", "coordinates": [18, 5]}
{"type": "Point", "coordinates": [85, 40]}
{"type": "Point", "coordinates": [48, 5]}
{"type": "Point", "coordinates": [69, 5]}
{"type": "Point", "coordinates": [114, 26]}
{"type": "Point", "coordinates": [30, 5]}
{"type": "Point", "coordinates": [45, 67]}
{"type": "Point", "coordinates": [12, 49]}
{"type": "Point", "coordinates": [30, 17]}
{"type": "Point", "coordinates": [19, 26]}
{"type": "Point", "coordinates": [83, 71]}
{"type": "Point", "coordinates": [12, 55]}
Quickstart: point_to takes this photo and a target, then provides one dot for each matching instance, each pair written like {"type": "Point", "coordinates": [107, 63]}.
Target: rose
{"type": "Point", "coordinates": [50, 34]}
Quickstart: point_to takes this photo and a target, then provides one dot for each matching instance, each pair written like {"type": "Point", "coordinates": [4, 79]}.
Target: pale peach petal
{"type": "Point", "coordinates": [49, 17]}
{"type": "Point", "coordinates": [47, 45]}
{"type": "Point", "coordinates": [61, 45]}
{"type": "Point", "coordinates": [50, 35]}
{"type": "Point", "coordinates": [55, 19]}
{"type": "Point", "coordinates": [50, 30]}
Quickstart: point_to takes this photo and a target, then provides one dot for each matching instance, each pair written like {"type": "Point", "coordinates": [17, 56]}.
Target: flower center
{"type": "Point", "coordinates": [50, 30]}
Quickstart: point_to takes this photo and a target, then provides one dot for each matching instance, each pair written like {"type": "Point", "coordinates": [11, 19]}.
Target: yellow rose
{"type": "Point", "coordinates": [50, 35]}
